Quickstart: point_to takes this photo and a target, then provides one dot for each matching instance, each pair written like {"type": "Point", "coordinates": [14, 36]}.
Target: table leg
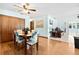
{"type": "Point", "coordinates": [25, 46]}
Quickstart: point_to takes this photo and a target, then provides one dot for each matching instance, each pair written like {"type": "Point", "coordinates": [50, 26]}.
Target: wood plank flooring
{"type": "Point", "coordinates": [46, 47]}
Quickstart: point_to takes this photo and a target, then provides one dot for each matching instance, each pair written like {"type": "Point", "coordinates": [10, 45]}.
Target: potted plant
{"type": "Point", "coordinates": [26, 30]}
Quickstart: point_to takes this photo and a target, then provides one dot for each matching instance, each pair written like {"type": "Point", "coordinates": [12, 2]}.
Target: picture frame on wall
{"type": "Point", "coordinates": [39, 23]}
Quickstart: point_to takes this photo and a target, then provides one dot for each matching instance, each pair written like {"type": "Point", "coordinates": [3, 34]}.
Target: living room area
{"type": "Point", "coordinates": [54, 30]}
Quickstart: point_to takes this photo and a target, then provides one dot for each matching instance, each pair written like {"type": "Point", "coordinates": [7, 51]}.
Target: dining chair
{"type": "Point", "coordinates": [33, 41]}
{"type": "Point", "coordinates": [19, 40]}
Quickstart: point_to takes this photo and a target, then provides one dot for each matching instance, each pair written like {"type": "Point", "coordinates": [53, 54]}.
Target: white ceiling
{"type": "Point", "coordinates": [55, 9]}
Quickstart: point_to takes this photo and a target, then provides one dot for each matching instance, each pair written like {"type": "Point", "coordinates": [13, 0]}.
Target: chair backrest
{"type": "Point", "coordinates": [16, 36]}
{"type": "Point", "coordinates": [19, 39]}
{"type": "Point", "coordinates": [34, 37]}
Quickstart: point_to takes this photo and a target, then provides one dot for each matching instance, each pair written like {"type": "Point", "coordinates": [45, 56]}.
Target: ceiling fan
{"type": "Point", "coordinates": [25, 8]}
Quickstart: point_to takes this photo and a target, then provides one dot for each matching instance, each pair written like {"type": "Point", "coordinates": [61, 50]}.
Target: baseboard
{"type": "Point", "coordinates": [59, 39]}
{"type": "Point", "coordinates": [64, 40]}
{"type": "Point", "coordinates": [44, 37]}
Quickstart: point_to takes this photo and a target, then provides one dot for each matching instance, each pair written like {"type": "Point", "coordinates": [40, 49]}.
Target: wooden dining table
{"type": "Point", "coordinates": [25, 36]}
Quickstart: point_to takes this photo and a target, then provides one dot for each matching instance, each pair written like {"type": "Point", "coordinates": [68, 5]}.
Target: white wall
{"type": "Point", "coordinates": [64, 19]}
{"type": "Point", "coordinates": [27, 22]}
{"type": "Point", "coordinates": [60, 24]}
{"type": "Point", "coordinates": [70, 17]}
{"type": "Point", "coordinates": [73, 31]}
{"type": "Point", "coordinates": [43, 31]}
{"type": "Point", "coordinates": [51, 26]}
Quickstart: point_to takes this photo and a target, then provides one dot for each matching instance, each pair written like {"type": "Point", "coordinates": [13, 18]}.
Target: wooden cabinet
{"type": "Point", "coordinates": [0, 27]}
{"type": "Point", "coordinates": [7, 26]}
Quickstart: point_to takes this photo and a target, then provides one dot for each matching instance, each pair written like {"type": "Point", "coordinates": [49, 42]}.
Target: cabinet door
{"type": "Point", "coordinates": [5, 28]}
{"type": "Point", "coordinates": [0, 27]}
{"type": "Point", "coordinates": [11, 25]}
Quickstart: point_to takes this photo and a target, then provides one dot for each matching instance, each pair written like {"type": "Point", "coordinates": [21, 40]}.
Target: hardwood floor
{"type": "Point", "coordinates": [46, 47]}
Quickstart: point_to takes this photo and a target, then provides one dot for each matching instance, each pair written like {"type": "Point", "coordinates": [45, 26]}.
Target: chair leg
{"type": "Point", "coordinates": [31, 50]}
{"type": "Point", "coordinates": [16, 45]}
{"type": "Point", "coordinates": [24, 49]}
{"type": "Point", "coordinates": [37, 46]}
